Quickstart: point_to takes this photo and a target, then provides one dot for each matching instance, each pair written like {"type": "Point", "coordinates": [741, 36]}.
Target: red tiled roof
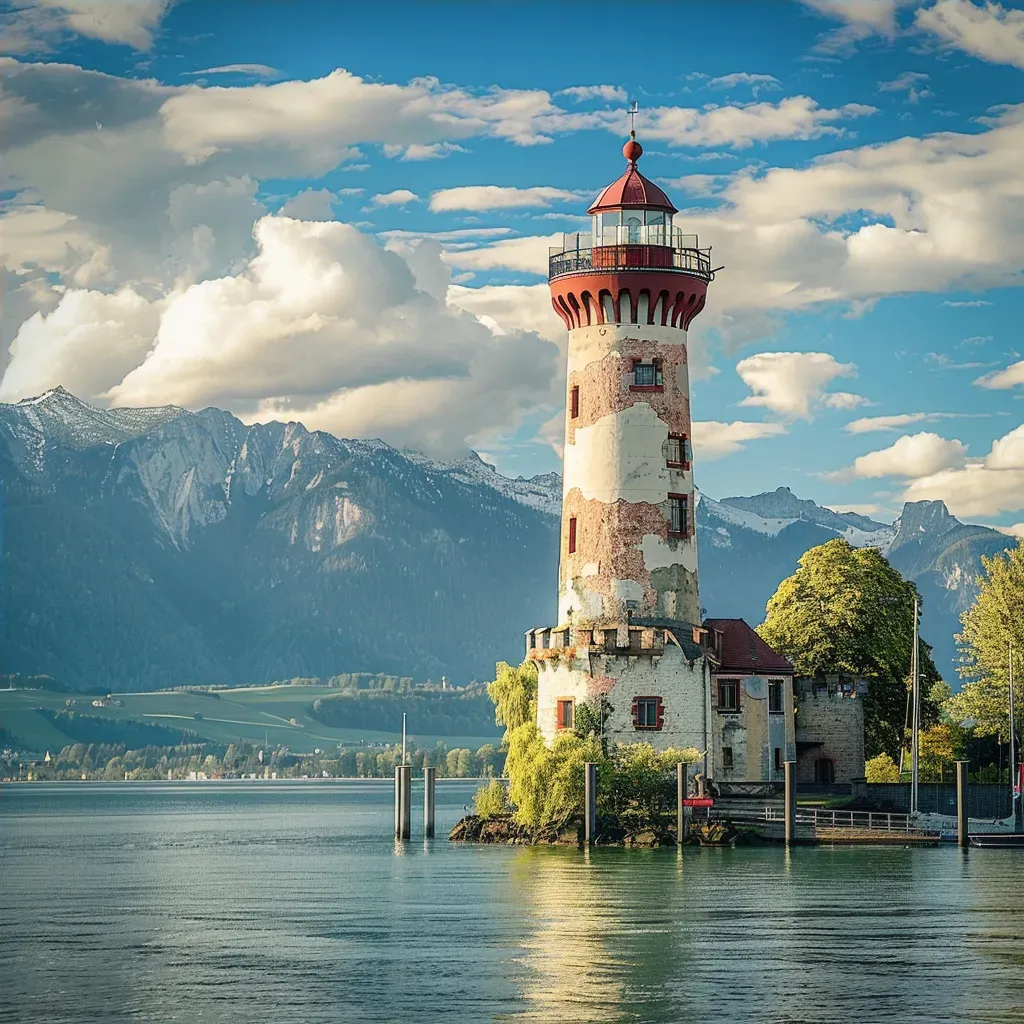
{"type": "Point", "coordinates": [632, 189]}
{"type": "Point", "coordinates": [742, 650]}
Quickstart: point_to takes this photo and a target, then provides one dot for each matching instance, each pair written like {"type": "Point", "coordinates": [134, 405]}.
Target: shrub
{"type": "Point", "coordinates": [882, 768]}
{"type": "Point", "coordinates": [491, 800]}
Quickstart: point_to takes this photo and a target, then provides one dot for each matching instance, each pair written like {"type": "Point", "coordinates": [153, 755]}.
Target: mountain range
{"type": "Point", "coordinates": [145, 548]}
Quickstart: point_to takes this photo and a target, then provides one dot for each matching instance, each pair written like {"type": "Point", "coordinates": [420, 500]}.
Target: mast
{"type": "Point", "coordinates": [1013, 744]}
{"type": "Point", "coordinates": [403, 737]}
{"type": "Point", "coordinates": [915, 715]}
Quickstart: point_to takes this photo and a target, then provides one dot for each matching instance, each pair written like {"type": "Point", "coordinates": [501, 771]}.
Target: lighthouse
{"type": "Point", "coordinates": [627, 643]}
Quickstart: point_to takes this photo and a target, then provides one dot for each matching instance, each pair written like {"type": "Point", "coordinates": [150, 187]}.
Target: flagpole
{"type": "Point", "coordinates": [915, 716]}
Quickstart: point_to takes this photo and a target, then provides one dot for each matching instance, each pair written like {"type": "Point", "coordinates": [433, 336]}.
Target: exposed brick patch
{"type": "Point", "coordinates": [610, 535]}
{"type": "Point", "coordinates": [605, 386]}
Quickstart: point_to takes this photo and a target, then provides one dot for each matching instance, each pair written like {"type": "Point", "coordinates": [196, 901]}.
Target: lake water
{"type": "Point", "coordinates": [290, 902]}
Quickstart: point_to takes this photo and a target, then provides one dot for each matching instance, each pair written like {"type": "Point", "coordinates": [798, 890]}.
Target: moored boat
{"type": "Point", "coordinates": [1004, 840]}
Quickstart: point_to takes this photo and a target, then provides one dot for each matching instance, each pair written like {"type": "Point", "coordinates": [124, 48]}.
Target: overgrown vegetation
{"type": "Point", "coordinates": [636, 784]}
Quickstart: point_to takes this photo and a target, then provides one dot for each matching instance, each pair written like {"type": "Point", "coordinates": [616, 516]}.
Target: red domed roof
{"type": "Point", "coordinates": [632, 189]}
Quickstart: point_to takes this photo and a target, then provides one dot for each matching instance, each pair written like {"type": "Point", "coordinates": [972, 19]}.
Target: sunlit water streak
{"type": "Point", "coordinates": [291, 902]}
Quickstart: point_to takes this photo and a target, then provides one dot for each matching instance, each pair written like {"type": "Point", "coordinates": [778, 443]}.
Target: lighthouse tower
{"type": "Point", "coordinates": [627, 595]}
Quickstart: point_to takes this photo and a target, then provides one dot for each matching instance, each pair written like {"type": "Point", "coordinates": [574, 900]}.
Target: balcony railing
{"type": "Point", "coordinates": [695, 262]}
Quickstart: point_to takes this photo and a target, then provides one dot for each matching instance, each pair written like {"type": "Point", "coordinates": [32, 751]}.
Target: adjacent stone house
{"type": "Point", "coordinates": [752, 729]}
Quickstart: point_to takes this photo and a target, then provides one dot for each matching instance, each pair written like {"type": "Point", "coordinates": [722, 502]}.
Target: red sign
{"type": "Point", "coordinates": [698, 801]}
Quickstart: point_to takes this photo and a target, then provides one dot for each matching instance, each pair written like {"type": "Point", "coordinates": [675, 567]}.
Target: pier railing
{"type": "Point", "coordinates": [873, 820]}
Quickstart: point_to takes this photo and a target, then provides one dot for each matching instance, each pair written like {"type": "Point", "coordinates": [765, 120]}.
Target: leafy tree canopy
{"type": "Point", "coordinates": [847, 611]}
{"type": "Point", "coordinates": [991, 624]}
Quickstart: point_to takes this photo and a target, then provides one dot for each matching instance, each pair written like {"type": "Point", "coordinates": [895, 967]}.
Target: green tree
{"type": "Point", "coordinates": [846, 610]}
{"type": "Point", "coordinates": [491, 800]}
{"type": "Point", "coordinates": [990, 625]}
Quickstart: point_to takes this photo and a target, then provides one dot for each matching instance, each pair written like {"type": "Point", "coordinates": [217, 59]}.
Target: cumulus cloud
{"type": "Point", "coordinates": [321, 324]}
{"type": "Point", "coordinates": [861, 19]}
{"type": "Point", "coordinates": [990, 32]}
{"type": "Point", "coordinates": [985, 487]}
{"type": "Point", "coordinates": [911, 456]}
{"type": "Point", "coordinates": [740, 126]}
{"type": "Point", "coordinates": [713, 439]}
{"type": "Point", "coordinates": [311, 204]}
{"type": "Point", "coordinates": [88, 343]}
{"type": "Point", "coordinates": [968, 304]}
{"type": "Point", "coordinates": [497, 197]}
{"type": "Point", "coordinates": [609, 93]}
{"type": "Point", "coordinates": [399, 197]}
{"type": "Point", "coordinates": [790, 383]}
{"type": "Point", "coordinates": [34, 25]}
{"type": "Point", "coordinates": [843, 400]}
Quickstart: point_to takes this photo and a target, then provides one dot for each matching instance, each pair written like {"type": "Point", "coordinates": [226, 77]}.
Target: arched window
{"type": "Point", "coordinates": [824, 771]}
{"type": "Point", "coordinates": [633, 224]}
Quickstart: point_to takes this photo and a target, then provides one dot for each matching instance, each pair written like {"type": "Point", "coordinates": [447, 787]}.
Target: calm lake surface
{"type": "Point", "coordinates": [290, 902]}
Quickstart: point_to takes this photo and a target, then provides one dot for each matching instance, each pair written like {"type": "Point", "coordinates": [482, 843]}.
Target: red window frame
{"type": "Point", "coordinates": [562, 719]}
{"type": "Point", "coordinates": [684, 442]}
{"type": "Point", "coordinates": [574, 401]}
{"type": "Point", "coordinates": [684, 518]}
{"type": "Point", "coordinates": [659, 382]}
{"type": "Point", "coordinates": [659, 713]}
{"type": "Point", "coordinates": [572, 535]}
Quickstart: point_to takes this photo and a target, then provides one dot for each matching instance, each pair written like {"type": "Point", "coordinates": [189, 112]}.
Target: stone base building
{"type": "Point", "coordinates": [829, 729]}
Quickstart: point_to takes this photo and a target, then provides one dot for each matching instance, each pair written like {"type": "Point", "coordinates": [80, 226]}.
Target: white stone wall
{"type": "Point", "coordinates": [682, 687]}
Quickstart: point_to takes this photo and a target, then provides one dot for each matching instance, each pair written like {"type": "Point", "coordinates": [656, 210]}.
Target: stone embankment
{"type": "Point", "coordinates": [502, 829]}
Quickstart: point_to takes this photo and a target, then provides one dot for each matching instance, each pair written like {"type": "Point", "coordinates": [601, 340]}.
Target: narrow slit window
{"type": "Point", "coordinates": [572, 535]}
{"type": "Point", "coordinates": [727, 758]}
{"type": "Point", "coordinates": [679, 515]}
{"type": "Point", "coordinates": [565, 713]}
{"type": "Point", "coordinates": [574, 401]}
{"type": "Point", "coordinates": [776, 703]}
{"type": "Point", "coordinates": [778, 759]}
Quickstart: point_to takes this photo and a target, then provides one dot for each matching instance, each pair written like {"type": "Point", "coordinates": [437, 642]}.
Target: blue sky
{"type": "Point", "coordinates": [340, 213]}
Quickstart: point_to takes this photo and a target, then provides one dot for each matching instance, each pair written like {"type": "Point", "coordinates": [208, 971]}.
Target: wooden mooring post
{"type": "Point", "coordinates": [961, 804]}
{"type": "Point", "coordinates": [589, 803]}
{"type": "Point", "coordinates": [790, 802]}
{"type": "Point", "coordinates": [403, 801]}
{"type": "Point", "coordinates": [429, 778]}
{"type": "Point", "coordinates": [681, 809]}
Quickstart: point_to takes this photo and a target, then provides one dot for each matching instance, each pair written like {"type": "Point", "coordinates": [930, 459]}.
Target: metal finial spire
{"type": "Point", "coordinates": [632, 112]}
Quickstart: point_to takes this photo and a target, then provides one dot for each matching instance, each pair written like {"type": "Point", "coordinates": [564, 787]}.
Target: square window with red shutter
{"type": "Point", "coordinates": [648, 713]}
{"type": "Point", "coordinates": [566, 708]}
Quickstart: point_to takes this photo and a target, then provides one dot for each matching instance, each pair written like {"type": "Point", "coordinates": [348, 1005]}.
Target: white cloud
{"type": "Point", "coordinates": [311, 204]}
{"type": "Point", "coordinates": [498, 197]}
{"type": "Point", "coordinates": [990, 32]}
{"type": "Point", "coordinates": [986, 487]}
{"type": "Point", "coordinates": [843, 400]}
{"type": "Point", "coordinates": [321, 324]}
{"type": "Point", "coordinates": [399, 197]}
{"type": "Point", "coordinates": [419, 151]}
{"type": "Point", "coordinates": [790, 383]}
{"type": "Point", "coordinates": [255, 70]}
{"type": "Point", "coordinates": [33, 25]}
{"type": "Point", "coordinates": [911, 456]}
{"type": "Point", "coordinates": [609, 93]}
{"type": "Point", "coordinates": [1016, 530]}
{"type": "Point", "coordinates": [740, 126]}
{"type": "Point", "coordinates": [861, 20]}
{"type": "Point", "coordinates": [1002, 380]}
{"type": "Point", "coordinates": [529, 254]}
{"type": "Point", "coordinates": [870, 424]}
{"type": "Point", "coordinates": [969, 304]}
{"type": "Point", "coordinates": [713, 439]}
{"type": "Point", "coordinates": [757, 83]}
{"type": "Point", "coordinates": [88, 343]}
{"type": "Point", "coordinates": [909, 82]}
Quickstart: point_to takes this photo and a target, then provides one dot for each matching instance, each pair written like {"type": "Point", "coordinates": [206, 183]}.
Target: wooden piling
{"type": "Point", "coordinates": [429, 776]}
{"type": "Point", "coordinates": [790, 802]}
{"type": "Point", "coordinates": [590, 803]}
{"type": "Point", "coordinates": [961, 804]}
{"type": "Point", "coordinates": [681, 822]}
{"type": "Point", "coordinates": [403, 801]}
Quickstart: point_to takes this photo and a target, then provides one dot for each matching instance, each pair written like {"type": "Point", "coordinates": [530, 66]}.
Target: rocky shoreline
{"type": "Point", "coordinates": [502, 829]}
